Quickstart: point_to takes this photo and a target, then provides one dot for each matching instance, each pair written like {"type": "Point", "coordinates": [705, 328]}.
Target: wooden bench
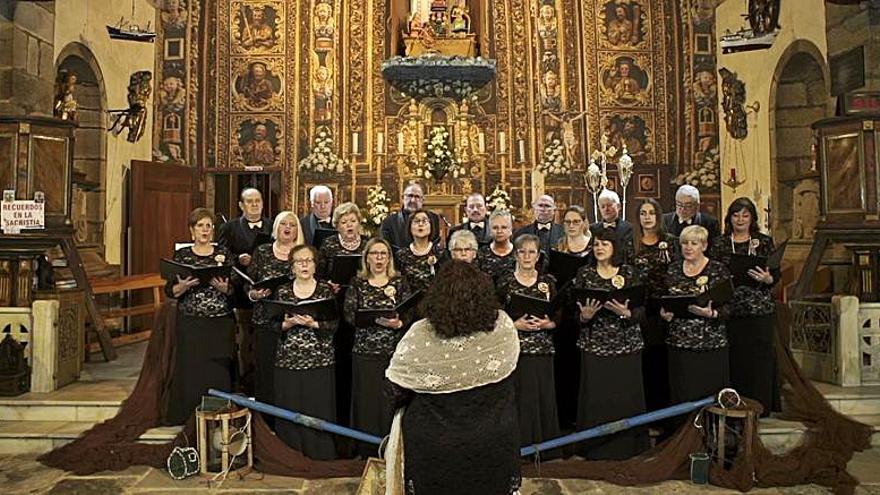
{"type": "Point", "coordinates": [125, 284]}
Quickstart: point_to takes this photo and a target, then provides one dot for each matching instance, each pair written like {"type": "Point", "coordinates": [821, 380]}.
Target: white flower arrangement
{"type": "Point", "coordinates": [499, 199]}
{"type": "Point", "coordinates": [706, 177]}
{"type": "Point", "coordinates": [553, 161]}
{"type": "Point", "coordinates": [377, 206]}
{"type": "Point", "coordinates": [438, 157]}
{"type": "Point", "coordinates": [322, 159]}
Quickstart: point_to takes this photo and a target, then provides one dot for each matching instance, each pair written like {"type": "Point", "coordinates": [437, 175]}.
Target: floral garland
{"type": "Point", "coordinates": [705, 177]}
{"type": "Point", "coordinates": [439, 159]}
{"type": "Point", "coordinates": [553, 161]}
{"type": "Point", "coordinates": [499, 199]}
{"type": "Point", "coordinates": [322, 159]}
{"type": "Point", "coordinates": [377, 207]}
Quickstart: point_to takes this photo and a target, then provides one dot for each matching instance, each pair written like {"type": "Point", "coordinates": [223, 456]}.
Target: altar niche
{"type": "Point", "coordinates": [445, 27]}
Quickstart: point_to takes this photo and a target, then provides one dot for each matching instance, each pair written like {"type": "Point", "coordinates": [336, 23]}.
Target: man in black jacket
{"type": "Point", "coordinates": [394, 226]}
{"type": "Point", "coordinates": [609, 209]}
{"type": "Point", "coordinates": [549, 232]}
{"type": "Point", "coordinates": [687, 212]}
{"type": "Point", "coordinates": [321, 201]}
{"type": "Point", "coordinates": [475, 209]}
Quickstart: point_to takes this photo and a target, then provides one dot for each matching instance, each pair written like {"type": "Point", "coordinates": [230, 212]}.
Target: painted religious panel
{"type": "Point", "coordinates": [624, 24]}
{"type": "Point", "coordinates": [257, 85]}
{"type": "Point", "coordinates": [633, 130]}
{"type": "Point", "coordinates": [624, 80]}
{"type": "Point", "coordinates": [257, 26]}
{"type": "Point", "coordinates": [257, 142]}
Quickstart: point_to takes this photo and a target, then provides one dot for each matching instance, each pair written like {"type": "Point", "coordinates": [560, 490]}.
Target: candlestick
{"type": "Point", "coordinates": [502, 142]}
{"type": "Point", "coordinates": [733, 174]}
{"type": "Point", "coordinates": [380, 142]}
{"type": "Point", "coordinates": [481, 142]}
{"type": "Point", "coordinates": [522, 151]}
{"type": "Point", "coordinates": [354, 143]}
{"type": "Point", "coordinates": [400, 142]}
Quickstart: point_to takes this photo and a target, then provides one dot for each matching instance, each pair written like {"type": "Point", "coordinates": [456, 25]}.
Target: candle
{"type": "Point", "coordinates": [481, 140]}
{"type": "Point", "coordinates": [380, 142]}
{"type": "Point", "coordinates": [354, 143]}
{"type": "Point", "coordinates": [733, 174]}
{"type": "Point", "coordinates": [502, 142]}
{"type": "Point", "coordinates": [522, 151]}
{"type": "Point", "coordinates": [400, 142]}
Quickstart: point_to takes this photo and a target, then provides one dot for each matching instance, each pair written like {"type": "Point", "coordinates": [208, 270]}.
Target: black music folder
{"type": "Point", "coordinates": [635, 294]}
{"type": "Point", "coordinates": [740, 264]}
{"type": "Point", "coordinates": [319, 309]}
{"type": "Point", "coordinates": [367, 317]}
{"type": "Point", "coordinates": [565, 266]}
{"type": "Point", "coordinates": [271, 283]}
{"type": "Point", "coordinates": [259, 239]}
{"type": "Point", "coordinates": [521, 305]}
{"type": "Point", "coordinates": [170, 270]}
{"type": "Point", "coordinates": [322, 235]}
{"type": "Point", "coordinates": [345, 266]}
{"type": "Point", "coordinates": [720, 294]}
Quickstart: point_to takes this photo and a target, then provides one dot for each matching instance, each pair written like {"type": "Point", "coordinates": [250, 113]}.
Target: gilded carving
{"type": "Point", "coordinates": [257, 84]}
{"type": "Point", "coordinates": [623, 24]}
{"type": "Point", "coordinates": [624, 80]}
{"type": "Point", "coordinates": [257, 27]}
{"type": "Point", "coordinates": [258, 142]}
{"type": "Point", "coordinates": [633, 130]}
{"type": "Point", "coordinates": [172, 94]}
{"type": "Point", "coordinates": [322, 88]}
{"type": "Point", "coordinates": [173, 14]}
{"type": "Point", "coordinates": [357, 66]}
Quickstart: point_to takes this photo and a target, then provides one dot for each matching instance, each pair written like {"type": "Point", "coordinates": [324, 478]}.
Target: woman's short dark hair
{"type": "Point", "coordinates": [302, 247]}
{"type": "Point", "coordinates": [412, 216]}
{"type": "Point", "coordinates": [618, 257]}
{"type": "Point", "coordinates": [738, 205]}
{"type": "Point", "coordinates": [524, 239]}
{"type": "Point", "coordinates": [198, 214]}
{"type": "Point", "coordinates": [461, 301]}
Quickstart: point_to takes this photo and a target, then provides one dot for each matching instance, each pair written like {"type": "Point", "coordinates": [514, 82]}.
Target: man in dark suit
{"type": "Point", "coordinates": [549, 232]}
{"type": "Point", "coordinates": [609, 209]}
{"type": "Point", "coordinates": [321, 201]}
{"type": "Point", "coordinates": [687, 212]}
{"type": "Point", "coordinates": [475, 209]}
{"type": "Point", "coordinates": [238, 235]}
{"type": "Point", "coordinates": [394, 226]}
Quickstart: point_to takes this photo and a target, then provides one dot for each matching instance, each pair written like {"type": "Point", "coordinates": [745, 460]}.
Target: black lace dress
{"type": "Point", "coordinates": [265, 265]}
{"type": "Point", "coordinates": [205, 339]}
{"type": "Point", "coordinates": [373, 347]}
{"type": "Point", "coordinates": [494, 265]}
{"type": "Point", "coordinates": [419, 270]}
{"type": "Point", "coordinates": [305, 380]}
{"type": "Point", "coordinates": [752, 325]}
{"type": "Point", "coordinates": [611, 370]}
{"type": "Point", "coordinates": [535, 381]}
{"type": "Point", "coordinates": [697, 346]}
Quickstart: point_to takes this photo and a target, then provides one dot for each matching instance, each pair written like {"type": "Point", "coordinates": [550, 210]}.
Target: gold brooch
{"type": "Point", "coordinates": [220, 259]}
{"type": "Point", "coordinates": [618, 281]}
{"type": "Point", "coordinates": [543, 287]}
{"type": "Point", "coordinates": [755, 243]}
{"type": "Point", "coordinates": [662, 246]}
{"type": "Point", "coordinates": [390, 291]}
{"type": "Point", "coordinates": [432, 260]}
{"type": "Point", "coordinates": [702, 280]}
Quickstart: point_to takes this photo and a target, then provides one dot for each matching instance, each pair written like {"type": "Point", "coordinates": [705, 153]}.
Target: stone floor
{"type": "Point", "coordinates": [23, 475]}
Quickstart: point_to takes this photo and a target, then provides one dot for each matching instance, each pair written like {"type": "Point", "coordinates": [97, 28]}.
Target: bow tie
{"type": "Point", "coordinates": [477, 225]}
{"type": "Point", "coordinates": [687, 222]}
{"type": "Point", "coordinates": [609, 225]}
{"type": "Point", "coordinates": [544, 226]}
{"type": "Point", "coordinates": [255, 225]}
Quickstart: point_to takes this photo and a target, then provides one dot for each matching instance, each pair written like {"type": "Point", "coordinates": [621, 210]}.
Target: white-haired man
{"type": "Point", "coordinates": [321, 202]}
{"type": "Point", "coordinates": [687, 212]}
{"type": "Point", "coordinates": [547, 231]}
{"type": "Point", "coordinates": [609, 210]}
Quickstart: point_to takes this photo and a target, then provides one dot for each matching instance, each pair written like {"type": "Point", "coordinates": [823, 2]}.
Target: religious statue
{"type": "Point", "coordinates": [257, 88]}
{"type": "Point", "coordinates": [733, 100]}
{"type": "Point", "coordinates": [135, 116]}
{"type": "Point", "coordinates": [325, 24]}
{"type": "Point", "coordinates": [438, 26]}
{"type": "Point", "coordinates": [550, 90]}
{"type": "Point", "coordinates": [173, 14]}
{"type": "Point", "coordinates": [172, 94]}
{"type": "Point", "coordinates": [622, 30]}
{"type": "Point", "coordinates": [569, 137]}
{"type": "Point", "coordinates": [409, 139]}
{"type": "Point", "coordinates": [547, 27]}
{"type": "Point", "coordinates": [258, 152]}
{"type": "Point", "coordinates": [705, 87]}
{"type": "Point", "coordinates": [258, 33]}
{"type": "Point", "coordinates": [626, 87]}
{"type": "Point", "coordinates": [323, 91]}
{"type": "Point", "coordinates": [65, 104]}
{"type": "Point", "coordinates": [460, 20]}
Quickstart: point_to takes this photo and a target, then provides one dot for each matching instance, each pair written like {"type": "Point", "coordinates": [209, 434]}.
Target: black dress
{"type": "Point", "coordinates": [698, 358]}
{"type": "Point", "coordinates": [265, 265]}
{"type": "Point", "coordinates": [494, 265]}
{"type": "Point", "coordinates": [205, 339]}
{"type": "Point", "coordinates": [652, 262]}
{"type": "Point", "coordinates": [419, 270]}
{"type": "Point", "coordinates": [751, 326]}
{"type": "Point", "coordinates": [611, 371]}
{"type": "Point", "coordinates": [373, 347]}
{"type": "Point", "coordinates": [535, 382]}
{"type": "Point", "coordinates": [463, 442]}
{"type": "Point", "coordinates": [305, 380]}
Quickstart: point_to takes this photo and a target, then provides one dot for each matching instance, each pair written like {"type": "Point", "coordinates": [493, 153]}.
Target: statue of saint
{"type": "Point", "coordinates": [325, 24]}
{"type": "Point", "coordinates": [569, 137]}
{"type": "Point", "coordinates": [259, 151]}
{"type": "Point", "coordinates": [625, 86]}
{"type": "Point", "coordinates": [65, 104]}
{"type": "Point", "coordinates": [323, 91]}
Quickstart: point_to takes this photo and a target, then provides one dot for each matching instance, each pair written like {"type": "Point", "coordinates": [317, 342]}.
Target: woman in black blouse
{"type": "Point", "coordinates": [497, 258]}
{"type": "Point", "coordinates": [377, 286]}
{"type": "Point", "coordinates": [205, 337]}
{"type": "Point", "coordinates": [535, 389]}
{"type": "Point", "coordinates": [347, 221]}
{"type": "Point", "coordinates": [697, 346]}
{"type": "Point", "coordinates": [751, 326]}
{"type": "Point", "coordinates": [305, 379]}
{"type": "Point", "coordinates": [270, 261]}
{"type": "Point", "coordinates": [655, 249]}
{"type": "Point", "coordinates": [611, 354]}
{"type": "Point", "coordinates": [576, 241]}
{"type": "Point", "coordinates": [420, 260]}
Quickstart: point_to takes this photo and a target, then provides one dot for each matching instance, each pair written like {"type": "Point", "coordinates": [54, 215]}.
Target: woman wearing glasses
{"type": "Point", "coordinates": [205, 336]}
{"type": "Point", "coordinates": [463, 246]}
{"type": "Point", "coordinates": [420, 260]}
{"type": "Point", "coordinates": [305, 379]}
{"type": "Point", "coordinates": [497, 259]}
{"type": "Point", "coordinates": [377, 286]}
{"type": "Point", "coordinates": [577, 232]}
{"type": "Point", "coordinates": [535, 388]}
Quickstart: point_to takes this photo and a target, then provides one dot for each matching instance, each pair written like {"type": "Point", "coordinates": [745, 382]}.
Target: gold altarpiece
{"type": "Point", "coordinates": [263, 76]}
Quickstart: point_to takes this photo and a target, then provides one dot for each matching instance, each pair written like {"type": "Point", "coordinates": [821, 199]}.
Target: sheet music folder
{"type": "Point", "coordinates": [635, 294]}
{"type": "Point", "coordinates": [345, 266]}
{"type": "Point", "coordinates": [170, 270]}
{"type": "Point", "coordinates": [319, 309]}
{"type": "Point", "coordinates": [719, 294]}
{"type": "Point", "coordinates": [271, 283]}
{"type": "Point", "coordinates": [521, 305]}
{"type": "Point", "coordinates": [740, 264]}
{"type": "Point", "coordinates": [565, 266]}
{"type": "Point", "coordinates": [367, 317]}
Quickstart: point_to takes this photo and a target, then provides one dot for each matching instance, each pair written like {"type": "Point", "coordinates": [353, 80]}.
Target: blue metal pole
{"type": "Point", "coordinates": [614, 427]}
{"type": "Point", "coordinates": [311, 422]}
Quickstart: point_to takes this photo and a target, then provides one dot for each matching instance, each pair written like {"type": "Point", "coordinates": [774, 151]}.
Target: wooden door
{"type": "Point", "coordinates": [162, 195]}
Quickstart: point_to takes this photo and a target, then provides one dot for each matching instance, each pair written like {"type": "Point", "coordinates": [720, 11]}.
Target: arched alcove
{"type": "Point", "coordinates": [90, 150]}
{"type": "Point", "coordinates": [799, 96]}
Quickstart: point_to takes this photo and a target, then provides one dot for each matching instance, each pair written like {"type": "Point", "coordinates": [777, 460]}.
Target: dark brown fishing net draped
{"type": "Point", "coordinates": [827, 446]}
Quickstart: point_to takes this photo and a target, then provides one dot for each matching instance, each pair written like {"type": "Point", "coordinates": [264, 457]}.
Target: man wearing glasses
{"type": "Point", "coordinates": [548, 231]}
{"type": "Point", "coordinates": [687, 212]}
{"type": "Point", "coordinates": [609, 209]}
{"type": "Point", "coordinates": [394, 226]}
{"type": "Point", "coordinates": [475, 209]}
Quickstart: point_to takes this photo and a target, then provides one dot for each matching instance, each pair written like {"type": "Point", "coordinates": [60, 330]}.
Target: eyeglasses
{"type": "Point", "coordinates": [421, 221]}
{"type": "Point", "coordinates": [412, 196]}
{"type": "Point", "coordinates": [207, 226]}
{"type": "Point", "coordinates": [524, 252]}
{"type": "Point", "coordinates": [685, 205]}
{"type": "Point", "coordinates": [539, 205]}
{"type": "Point", "coordinates": [462, 250]}
{"type": "Point", "coordinates": [573, 222]}
{"type": "Point", "coordinates": [304, 261]}
{"type": "Point", "coordinates": [378, 254]}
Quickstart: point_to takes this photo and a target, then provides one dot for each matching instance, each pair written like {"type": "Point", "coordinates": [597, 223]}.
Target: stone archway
{"type": "Point", "coordinates": [90, 151]}
{"type": "Point", "coordinates": [799, 96]}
